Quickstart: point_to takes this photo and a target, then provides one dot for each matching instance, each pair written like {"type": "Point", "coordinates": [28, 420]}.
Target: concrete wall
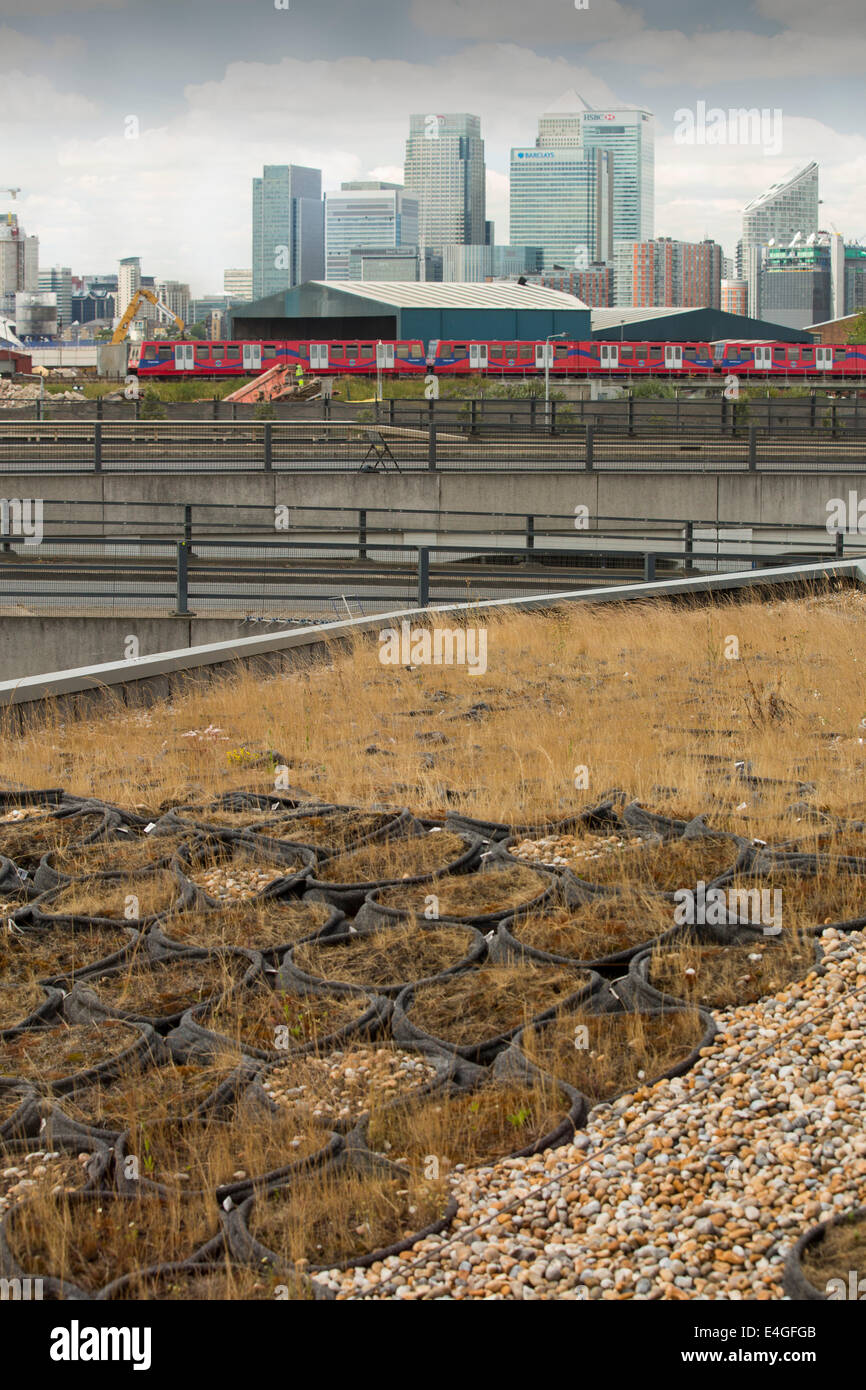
{"type": "Point", "coordinates": [751, 497]}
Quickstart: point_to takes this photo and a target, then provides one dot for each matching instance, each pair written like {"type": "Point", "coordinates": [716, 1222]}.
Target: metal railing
{"type": "Point", "coordinates": [306, 447]}
{"type": "Point", "coordinates": [297, 579]}
{"type": "Point", "coordinates": [830, 409]}
{"type": "Point", "coordinates": [144, 520]}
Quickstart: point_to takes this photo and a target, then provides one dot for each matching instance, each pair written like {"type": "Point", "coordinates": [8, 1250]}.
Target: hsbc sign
{"type": "Point", "coordinates": [597, 116]}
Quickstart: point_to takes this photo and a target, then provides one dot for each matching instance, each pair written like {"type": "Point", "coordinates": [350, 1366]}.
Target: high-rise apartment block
{"type": "Point", "coordinates": [668, 273]}
{"type": "Point", "coordinates": [19, 263]}
{"type": "Point", "coordinates": [175, 295]}
{"type": "Point", "coordinates": [444, 169]}
{"type": "Point", "coordinates": [773, 219]}
{"type": "Point", "coordinates": [288, 228]}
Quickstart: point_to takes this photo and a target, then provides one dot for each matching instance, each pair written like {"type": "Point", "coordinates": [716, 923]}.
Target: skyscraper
{"type": "Point", "coordinates": [445, 170]}
{"type": "Point", "coordinates": [562, 200]}
{"type": "Point", "coordinates": [366, 215]}
{"type": "Point", "coordinates": [288, 228]}
{"type": "Point", "coordinates": [128, 281]}
{"type": "Point", "coordinates": [588, 181]}
{"type": "Point", "coordinates": [776, 216]}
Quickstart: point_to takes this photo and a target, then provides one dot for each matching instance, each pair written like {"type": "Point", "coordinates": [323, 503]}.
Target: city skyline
{"type": "Point", "coordinates": [153, 155]}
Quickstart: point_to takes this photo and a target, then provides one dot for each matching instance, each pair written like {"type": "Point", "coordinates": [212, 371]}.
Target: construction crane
{"type": "Point", "coordinates": [13, 192]}
{"type": "Point", "coordinates": [132, 309]}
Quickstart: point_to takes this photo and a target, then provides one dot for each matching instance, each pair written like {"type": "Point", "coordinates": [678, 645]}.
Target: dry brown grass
{"type": "Point", "coordinates": [159, 989]}
{"type": "Point", "coordinates": [158, 1093]}
{"type": "Point", "coordinates": [395, 955]}
{"type": "Point", "coordinates": [722, 977]}
{"type": "Point", "coordinates": [127, 854]}
{"type": "Point", "coordinates": [398, 858]}
{"type": "Point", "coordinates": [596, 929]}
{"type": "Point", "coordinates": [18, 1000]}
{"type": "Point", "coordinates": [833, 894]}
{"type": "Point", "coordinates": [618, 1052]}
{"type": "Point", "coordinates": [618, 690]}
{"type": "Point", "coordinates": [488, 1000]}
{"type": "Point", "coordinates": [338, 1215]}
{"type": "Point", "coordinates": [203, 1154]}
{"type": "Point", "coordinates": [127, 898]}
{"type": "Point", "coordinates": [257, 925]}
{"type": "Point", "coordinates": [471, 1127]}
{"type": "Point", "coordinates": [260, 1017]}
{"type": "Point", "coordinates": [49, 1054]}
{"type": "Point", "coordinates": [99, 1239]}
{"type": "Point", "coordinates": [843, 1249]}
{"type": "Point", "coordinates": [223, 1283]}
{"type": "Point", "coordinates": [470, 895]}
{"type": "Point", "coordinates": [42, 954]}
{"type": "Point", "coordinates": [665, 867]}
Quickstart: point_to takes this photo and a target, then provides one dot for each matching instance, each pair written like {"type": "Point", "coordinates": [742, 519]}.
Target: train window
{"type": "Point", "coordinates": [269, 351]}
{"type": "Point", "coordinates": [233, 352]}
{"type": "Point", "coordinates": [527, 353]}
{"type": "Point", "coordinates": [461, 352]}
{"type": "Point", "coordinates": [165, 352]}
{"type": "Point", "coordinates": [402, 351]}
{"type": "Point", "coordinates": [334, 349]}
{"type": "Point", "coordinates": [806, 354]}
{"type": "Point", "coordinates": [690, 354]}
{"type": "Point", "coordinates": [780, 354]}
{"type": "Point", "coordinates": [367, 347]}
{"type": "Point", "coordinates": [560, 352]}
{"type": "Point", "coordinates": [202, 352]}
{"type": "Point", "coordinates": [625, 353]}
{"type": "Point", "coordinates": [352, 349]}
{"type": "Point", "coordinates": [640, 352]}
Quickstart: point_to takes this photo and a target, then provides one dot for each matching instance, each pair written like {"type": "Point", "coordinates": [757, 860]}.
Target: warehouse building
{"type": "Point", "coordinates": [412, 310]}
{"type": "Point", "coordinates": [641, 325]}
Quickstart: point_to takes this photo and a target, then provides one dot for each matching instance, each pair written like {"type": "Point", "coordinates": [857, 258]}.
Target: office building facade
{"type": "Point", "coordinates": [562, 201]}
{"type": "Point", "coordinates": [367, 214]}
{"type": "Point", "coordinates": [238, 284]}
{"type": "Point", "coordinates": [57, 280]}
{"type": "Point", "coordinates": [444, 170]}
{"type": "Point", "coordinates": [288, 228]}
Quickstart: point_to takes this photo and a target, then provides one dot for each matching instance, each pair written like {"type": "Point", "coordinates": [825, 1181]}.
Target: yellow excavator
{"type": "Point", "coordinates": [132, 309]}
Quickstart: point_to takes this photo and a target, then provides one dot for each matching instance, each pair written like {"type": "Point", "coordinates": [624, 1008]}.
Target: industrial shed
{"type": "Point", "coordinates": [398, 309]}
{"type": "Point", "coordinates": [663, 325]}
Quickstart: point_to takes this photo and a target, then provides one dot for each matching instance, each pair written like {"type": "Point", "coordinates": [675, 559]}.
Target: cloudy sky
{"type": "Point", "coordinates": [219, 87]}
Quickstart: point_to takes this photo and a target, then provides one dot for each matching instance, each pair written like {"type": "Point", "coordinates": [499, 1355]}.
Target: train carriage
{"type": "Point", "coordinates": [171, 360]}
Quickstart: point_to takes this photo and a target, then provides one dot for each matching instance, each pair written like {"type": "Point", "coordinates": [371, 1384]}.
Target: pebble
{"type": "Point", "coordinates": [601, 1219]}
{"type": "Point", "coordinates": [338, 1087]}
{"type": "Point", "coordinates": [235, 883]}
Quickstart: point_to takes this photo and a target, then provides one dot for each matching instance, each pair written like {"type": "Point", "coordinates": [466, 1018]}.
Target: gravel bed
{"type": "Point", "coordinates": [693, 1189]}
{"type": "Point", "coordinates": [339, 1087]}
